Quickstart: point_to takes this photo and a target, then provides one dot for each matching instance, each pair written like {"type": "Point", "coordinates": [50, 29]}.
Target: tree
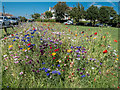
{"type": "Point", "coordinates": [22, 19]}
{"type": "Point", "coordinates": [77, 12]}
{"type": "Point", "coordinates": [35, 15]}
{"type": "Point", "coordinates": [92, 13]}
{"type": "Point", "coordinates": [48, 14]}
{"type": "Point", "coordinates": [60, 10]}
{"type": "Point", "coordinates": [104, 15]}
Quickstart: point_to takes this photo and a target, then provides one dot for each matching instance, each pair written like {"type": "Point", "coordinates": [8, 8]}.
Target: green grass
{"type": "Point", "coordinates": [29, 79]}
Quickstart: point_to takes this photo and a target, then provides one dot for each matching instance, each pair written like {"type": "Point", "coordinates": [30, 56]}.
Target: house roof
{"type": "Point", "coordinates": [6, 14]}
{"type": "Point", "coordinates": [70, 8]}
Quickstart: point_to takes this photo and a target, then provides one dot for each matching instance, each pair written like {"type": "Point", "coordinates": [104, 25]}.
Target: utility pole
{"type": "Point", "coordinates": [3, 11]}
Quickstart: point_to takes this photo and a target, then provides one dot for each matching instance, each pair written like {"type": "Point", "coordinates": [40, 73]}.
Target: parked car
{"type": "Point", "coordinates": [4, 22]}
{"type": "Point", "coordinates": [99, 25]}
{"type": "Point", "coordinates": [69, 22]}
{"type": "Point", "coordinates": [80, 23]}
{"type": "Point", "coordinates": [14, 20]}
{"type": "Point", "coordinates": [88, 24]}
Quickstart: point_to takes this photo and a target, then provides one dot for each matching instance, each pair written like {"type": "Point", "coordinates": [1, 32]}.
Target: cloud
{"type": "Point", "coordinates": [92, 3]}
{"type": "Point", "coordinates": [110, 2]}
{"type": "Point", "coordinates": [98, 6]}
{"type": "Point", "coordinates": [95, 4]}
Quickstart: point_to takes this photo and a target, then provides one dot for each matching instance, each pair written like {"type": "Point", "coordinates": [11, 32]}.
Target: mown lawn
{"type": "Point", "coordinates": [53, 55]}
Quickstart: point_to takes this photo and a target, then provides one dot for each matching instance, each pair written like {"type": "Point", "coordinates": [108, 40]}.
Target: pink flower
{"type": "Point", "coordinates": [17, 62]}
{"type": "Point", "coordinates": [21, 73]}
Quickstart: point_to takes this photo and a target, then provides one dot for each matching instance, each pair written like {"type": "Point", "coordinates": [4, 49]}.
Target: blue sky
{"type": "Point", "coordinates": [28, 8]}
{"type": "Point", "coordinates": [60, 0]}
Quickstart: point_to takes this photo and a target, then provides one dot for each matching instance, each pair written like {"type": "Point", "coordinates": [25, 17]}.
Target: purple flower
{"type": "Point", "coordinates": [78, 55]}
{"type": "Point", "coordinates": [83, 56]}
{"type": "Point", "coordinates": [83, 68]}
{"type": "Point", "coordinates": [82, 51]}
{"type": "Point", "coordinates": [88, 74]}
{"type": "Point", "coordinates": [33, 70]}
{"type": "Point", "coordinates": [100, 63]}
{"type": "Point", "coordinates": [81, 73]}
{"type": "Point", "coordinates": [78, 69]}
{"type": "Point", "coordinates": [90, 58]}
{"type": "Point", "coordinates": [37, 70]}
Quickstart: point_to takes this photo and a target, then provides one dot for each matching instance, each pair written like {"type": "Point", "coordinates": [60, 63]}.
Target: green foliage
{"type": "Point", "coordinates": [35, 15]}
{"type": "Point", "coordinates": [77, 12]}
{"type": "Point", "coordinates": [22, 19]}
{"type": "Point", "coordinates": [45, 20]}
{"type": "Point", "coordinates": [104, 15]}
{"type": "Point", "coordinates": [60, 10]}
{"type": "Point", "coordinates": [48, 14]}
{"type": "Point", "coordinates": [92, 13]}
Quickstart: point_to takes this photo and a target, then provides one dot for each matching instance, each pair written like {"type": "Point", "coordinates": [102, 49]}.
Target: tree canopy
{"type": "Point", "coordinates": [60, 10]}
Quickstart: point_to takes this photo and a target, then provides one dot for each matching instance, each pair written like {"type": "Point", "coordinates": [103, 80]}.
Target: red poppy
{"type": "Point", "coordinates": [12, 34]}
{"type": "Point", "coordinates": [50, 51]}
{"type": "Point", "coordinates": [72, 73]}
{"type": "Point", "coordinates": [94, 79]}
{"type": "Point", "coordinates": [50, 47]}
{"type": "Point", "coordinates": [95, 33]}
{"type": "Point", "coordinates": [105, 51]}
{"type": "Point", "coordinates": [5, 38]}
{"type": "Point", "coordinates": [115, 40]}
{"type": "Point", "coordinates": [28, 44]}
{"type": "Point", "coordinates": [56, 49]}
{"type": "Point", "coordinates": [118, 86]}
{"type": "Point", "coordinates": [53, 57]}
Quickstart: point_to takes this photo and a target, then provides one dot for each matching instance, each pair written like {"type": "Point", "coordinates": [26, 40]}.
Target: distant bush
{"type": "Point", "coordinates": [45, 20]}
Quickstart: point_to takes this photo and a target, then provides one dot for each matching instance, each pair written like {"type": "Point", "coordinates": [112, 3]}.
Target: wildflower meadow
{"type": "Point", "coordinates": [53, 55]}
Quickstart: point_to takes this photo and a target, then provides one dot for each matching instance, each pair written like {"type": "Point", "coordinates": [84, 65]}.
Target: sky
{"type": "Point", "coordinates": [28, 8]}
{"type": "Point", "coordinates": [60, 0]}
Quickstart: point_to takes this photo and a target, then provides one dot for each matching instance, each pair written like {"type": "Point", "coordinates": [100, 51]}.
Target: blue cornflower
{"type": "Point", "coordinates": [29, 46]}
{"type": "Point", "coordinates": [43, 68]}
{"type": "Point", "coordinates": [28, 40]}
{"type": "Point", "coordinates": [47, 74]}
{"type": "Point", "coordinates": [54, 72]}
{"type": "Point", "coordinates": [21, 48]}
{"type": "Point", "coordinates": [58, 65]}
{"type": "Point", "coordinates": [41, 39]}
{"type": "Point", "coordinates": [28, 37]}
{"type": "Point", "coordinates": [32, 36]}
{"type": "Point", "coordinates": [46, 70]}
{"type": "Point", "coordinates": [43, 63]}
{"type": "Point", "coordinates": [71, 46]}
{"type": "Point", "coordinates": [59, 73]}
{"type": "Point", "coordinates": [16, 34]}
{"type": "Point", "coordinates": [52, 65]}
{"type": "Point", "coordinates": [39, 68]}
{"type": "Point", "coordinates": [25, 35]}
{"type": "Point", "coordinates": [13, 40]}
{"type": "Point", "coordinates": [33, 44]}
{"type": "Point", "coordinates": [83, 76]}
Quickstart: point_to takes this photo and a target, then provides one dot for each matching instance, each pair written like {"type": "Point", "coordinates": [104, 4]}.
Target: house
{"type": "Point", "coordinates": [66, 17]}
{"type": "Point", "coordinates": [5, 14]}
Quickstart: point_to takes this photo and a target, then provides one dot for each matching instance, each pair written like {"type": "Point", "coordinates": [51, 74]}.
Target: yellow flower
{"type": "Point", "coordinates": [57, 61]}
{"type": "Point", "coordinates": [116, 58]}
{"type": "Point", "coordinates": [10, 46]}
{"type": "Point", "coordinates": [23, 49]}
{"type": "Point", "coordinates": [75, 34]}
{"type": "Point", "coordinates": [69, 51]}
{"type": "Point", "coordinates": [28, 48]}
{"type": "Point", "coordinates": [94, 38]}
{"type": "Point", "coordinates": [103, 36]}
{"type": "Point", "coordinates": [53, 54]}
